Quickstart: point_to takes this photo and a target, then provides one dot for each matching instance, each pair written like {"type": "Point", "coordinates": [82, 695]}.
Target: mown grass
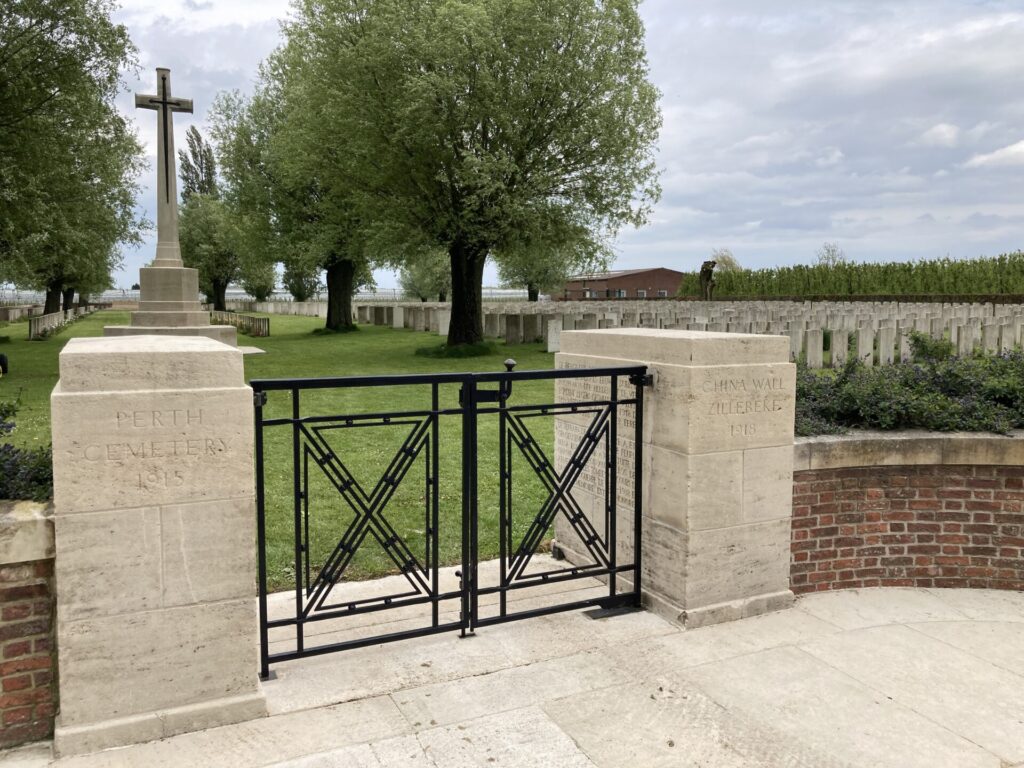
{"type": "Point", "coordinates": [294, 350]}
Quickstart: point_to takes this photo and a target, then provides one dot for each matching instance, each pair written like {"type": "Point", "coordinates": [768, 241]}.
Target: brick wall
{"type": "Point", "coordinates": [908, 526]}
{"type": "Point", "coordinates": [27, 679]}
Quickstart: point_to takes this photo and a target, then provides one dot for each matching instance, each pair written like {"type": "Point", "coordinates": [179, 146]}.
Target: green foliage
{"type": "Point", "coordinates": [833, 276]}
{"type": "Point", "coordinates": [68, 159]}
{"type": "Point", "coordinates": [934, 390]}
{"type": "Point", "coordinates": [301, 283]}
{"type": "Point", "coordinates": [427, 278]}
{"type": "Point", "coordinates": [25, 473]}
{"type": "Point", "coordinates": [478, 126]}
{"type": "Point", "coordinates": [196, 166]}
{"type": "Point", "coordinates": [210, 243]}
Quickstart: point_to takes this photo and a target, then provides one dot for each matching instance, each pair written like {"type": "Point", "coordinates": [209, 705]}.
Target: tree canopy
{"type": "Point", "coordinates": [68, 160]}
{"type": "Point", "coordinates": [480, 127]}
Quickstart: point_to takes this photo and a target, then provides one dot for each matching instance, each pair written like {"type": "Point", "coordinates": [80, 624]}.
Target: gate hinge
{"type": "Point", "coordinates": [642, 379]}
{"type": "Point", "coordinates": [259, 399]}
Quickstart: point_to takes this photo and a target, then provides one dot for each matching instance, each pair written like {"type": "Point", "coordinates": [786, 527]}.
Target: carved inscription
{"type": "Point", "coordinates": [743, 396]}
{"type": "Point", "coordinates": [194, 438]}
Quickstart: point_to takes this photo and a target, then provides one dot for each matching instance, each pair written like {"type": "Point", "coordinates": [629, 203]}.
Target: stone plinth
{"type": "Point", "coordinates": [718, 466]}
{"type": "Point", "coordinates": [169, 306]}
{"type": "Point", "coordinates": [154, 522]}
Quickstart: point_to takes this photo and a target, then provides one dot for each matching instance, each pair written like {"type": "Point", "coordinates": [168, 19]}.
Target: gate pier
{"type": "Point", "coordinates": [154, 525]}
{"type": "Point", "coordinates": [718, 467]}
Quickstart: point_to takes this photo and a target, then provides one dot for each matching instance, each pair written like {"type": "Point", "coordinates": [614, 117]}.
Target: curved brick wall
{"type": "Point", "coordinates": [910, 511]}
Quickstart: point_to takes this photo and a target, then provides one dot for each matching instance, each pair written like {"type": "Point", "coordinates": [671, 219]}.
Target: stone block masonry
{"type": "Point", "coordinates": [155, 535]}
{"type": "Point", "coordinates": [27, 669]}
{"type": "Point", "coordinates": [718, 466]}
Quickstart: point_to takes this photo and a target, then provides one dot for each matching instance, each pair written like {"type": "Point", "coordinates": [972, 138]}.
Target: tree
{"type": "Point", "coordinates": [68, 160]}
{"type": "Point", "coordinates": [197, 167]}
{"type": "Point", "coordinates": [258, 279]}
{"type": "Point", "coordinates": [427, 277]}
{"type": "Point", "coordinates": [209, 244]}
{"type": "Point", "coordinates": [277, 175]}
{"type": "Point", "coordinates": [300, 284]}
{"type": "Point", "coordinates": [477, 125]}
{"type": "Point", "coordinates": [725, 261]}
{"type": "Point", "coordinates": [830, 255]}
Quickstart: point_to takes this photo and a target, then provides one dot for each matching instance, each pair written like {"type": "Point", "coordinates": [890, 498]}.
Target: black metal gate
{"type": "Point", "coordinates": [303, 452]}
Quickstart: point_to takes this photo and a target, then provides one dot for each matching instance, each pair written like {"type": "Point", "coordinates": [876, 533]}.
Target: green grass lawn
{"type": "Point", "coordinates": [293, 351]}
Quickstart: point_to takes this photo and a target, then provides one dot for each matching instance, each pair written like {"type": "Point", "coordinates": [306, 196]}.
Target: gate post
{"type": "Point", "coordinates": [718, 467]}
{"type": "Point", "coordinates": [155, 529]}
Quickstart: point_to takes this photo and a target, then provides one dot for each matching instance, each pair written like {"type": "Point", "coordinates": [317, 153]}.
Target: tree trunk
{"type": "Point", "coordinates": [53, 297]}
{"type": "Point", "coordinates": [68, 296]}
{"type": "Point", "coordinates": [220, 296]}
{"type": "Point", "coordinates": [442, 296]}
{"type": "Point", "coordinates": [532, 292]}
{"type": "Point", "coordinates": [340, 276]}
{"type": "Point", "coordinates": [467, 321]}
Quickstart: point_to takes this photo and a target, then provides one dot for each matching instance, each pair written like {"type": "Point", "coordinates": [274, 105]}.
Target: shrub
{"type": "Point", "coordinates": [934, 390]}
{"type": "Point", "coordinates": [25, 473]}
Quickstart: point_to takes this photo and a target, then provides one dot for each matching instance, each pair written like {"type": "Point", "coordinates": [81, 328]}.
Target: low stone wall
{"type": "Point", "coordinates": [908, 510]}
{"type": "Point", "coordinates": [28, 691]}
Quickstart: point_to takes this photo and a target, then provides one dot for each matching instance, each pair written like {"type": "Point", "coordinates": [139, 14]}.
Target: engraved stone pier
{"type": "Point", "coordinates": [718, 465]}
{"type": "Point", "coordinates": [154, 522]}
{"type": "Point", "coordinates": [169, 299]}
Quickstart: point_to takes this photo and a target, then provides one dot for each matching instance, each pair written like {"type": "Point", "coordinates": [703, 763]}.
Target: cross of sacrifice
{"type": "Point", "coordinates": [168, 252]}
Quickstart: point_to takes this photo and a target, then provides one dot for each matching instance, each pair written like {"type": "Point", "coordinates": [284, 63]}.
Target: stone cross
{"type": "Point", "coordinates": [168, 252]}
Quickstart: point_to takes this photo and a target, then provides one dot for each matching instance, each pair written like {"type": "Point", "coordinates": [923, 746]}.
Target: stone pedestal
{"type": "Point", "coordinates": [155, 534]}
{"type": "Point", "coordinates": [718, 466]}
{"type": "Point", "coordinates": [169, 306]}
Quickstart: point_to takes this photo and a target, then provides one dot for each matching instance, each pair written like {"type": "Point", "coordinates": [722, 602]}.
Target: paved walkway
{"type": "Point", "coordinates": [884, 677]}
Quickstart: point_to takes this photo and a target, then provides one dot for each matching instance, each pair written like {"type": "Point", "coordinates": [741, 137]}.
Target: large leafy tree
{"type": "Point", "coordinates": [278, 173]}
{"type": "Point", "coordinates": [68, 160]}
{"type": "Point", "coordinates": [479, 125]}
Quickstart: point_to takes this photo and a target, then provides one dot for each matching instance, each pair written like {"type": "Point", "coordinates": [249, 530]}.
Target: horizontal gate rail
{"type": "Point", "coordinates": [316, 576]}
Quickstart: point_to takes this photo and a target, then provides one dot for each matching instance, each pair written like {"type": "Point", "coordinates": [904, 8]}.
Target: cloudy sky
{"type": "Point", "coordinates": [893, 128]}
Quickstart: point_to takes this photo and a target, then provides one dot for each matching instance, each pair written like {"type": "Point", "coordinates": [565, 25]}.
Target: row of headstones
{"type": "Point", "coordinates": [12, 313]}
{"type": "Point", "coordinates": [40, 325]}
{"type": "Point", "coordinates": [878, 341]}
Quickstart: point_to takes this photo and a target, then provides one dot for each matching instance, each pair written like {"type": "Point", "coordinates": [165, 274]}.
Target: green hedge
{"type": "Point", "coordinates": [935, 277]}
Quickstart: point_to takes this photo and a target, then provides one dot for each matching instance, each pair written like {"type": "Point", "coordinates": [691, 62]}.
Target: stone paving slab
{"type": "Point", "coordinates": [855, 679]}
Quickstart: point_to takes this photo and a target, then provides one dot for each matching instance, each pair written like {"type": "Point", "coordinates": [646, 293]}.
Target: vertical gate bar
{"type": "Point", "coordinates": [435, 499]}
{"type": "Point", "coordinates": [297, 498]}
{"type": "Point", "coordinates": [613, 479]}
{"type": "Point", "coordinates": [261, 540]}
{"type": "Point", "coordinates": [467, 408]}
{"type": "Point", "coordinates": [504, 503]}
{"type": "Point", "coordinates": [473, 506]}
{"type": "Point", "coordinates": [638, 470]}
{"type": "Point", "coordinates": [305, 512]}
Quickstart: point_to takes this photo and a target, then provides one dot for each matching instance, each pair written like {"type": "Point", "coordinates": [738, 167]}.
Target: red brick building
{"type": "Point", "coordinates": [623, 284]}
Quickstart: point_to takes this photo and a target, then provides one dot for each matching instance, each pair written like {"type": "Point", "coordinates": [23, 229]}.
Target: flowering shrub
{"type": "Point", "coordinates": [933, 390]}
{"type": "Point", "coordinates": [25, 473]}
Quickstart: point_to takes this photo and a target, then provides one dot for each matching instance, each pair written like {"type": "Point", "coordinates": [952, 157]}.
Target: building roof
{"type": "Point", "coordinates": [620, 273]}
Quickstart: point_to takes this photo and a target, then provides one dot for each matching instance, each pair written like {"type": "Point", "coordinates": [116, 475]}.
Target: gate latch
{"type": "Point", "coordinates": [259, 399]}
{"type": "Point", "coordinates": [642, 379]}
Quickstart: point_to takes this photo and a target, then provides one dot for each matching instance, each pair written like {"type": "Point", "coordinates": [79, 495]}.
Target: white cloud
{"type": "Point", "coordinates": [1012, 155]}
{"type": "Point", "coordinates": [941, 135]}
